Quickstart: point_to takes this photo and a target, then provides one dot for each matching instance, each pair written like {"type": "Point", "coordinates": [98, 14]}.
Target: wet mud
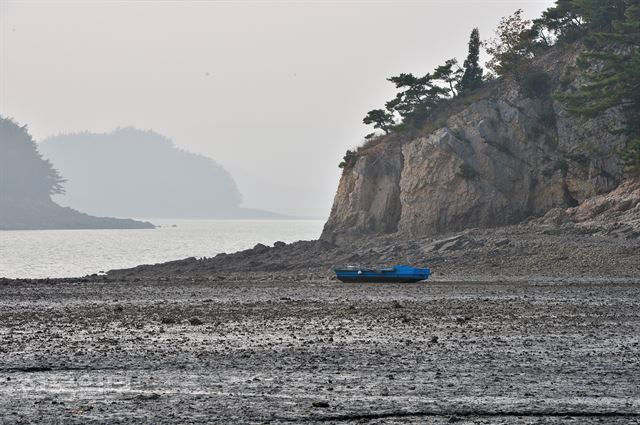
{"type": "Point", "coordinates": [319, 352]}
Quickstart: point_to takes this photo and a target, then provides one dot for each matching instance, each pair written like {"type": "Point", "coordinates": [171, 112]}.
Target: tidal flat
{"type": "Point", "coordinates": [319, 351]}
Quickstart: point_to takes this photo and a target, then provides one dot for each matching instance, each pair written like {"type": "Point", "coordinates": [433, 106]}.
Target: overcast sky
{"type": "Point", "coordinates": [275, 91]}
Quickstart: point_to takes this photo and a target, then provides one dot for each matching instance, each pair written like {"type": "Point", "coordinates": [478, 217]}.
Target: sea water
{"type": "Point", "coordinates": [73, 253]}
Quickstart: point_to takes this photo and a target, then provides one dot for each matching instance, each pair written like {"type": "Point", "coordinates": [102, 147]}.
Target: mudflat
{"type": "Point", "coordinates": [234, 351]}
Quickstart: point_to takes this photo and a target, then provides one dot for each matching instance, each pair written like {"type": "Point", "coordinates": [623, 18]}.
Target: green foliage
{"type": "Point", "coordinates": [467, 172]}
{"type": "Point", "coordinates": [535, 83]}
{"type": "Point", "coordinates": [599, 15]}
{"type": "Point", "coordinates": [348, 159]}
{"type": "Point", "coordinates": [563, 21]}
{"type": "Point", "coordinates": [473, 72]}
{"type": "Point", "coordinates": [611, 28]}
{"type": "Point", "coordinates": [417, 97]}
{"type": "Point", "coordinates": [513, 47]}
{"type": "Point", "coordinates": [451, 74]}
{"type": "Point", "coordinates": [380, 118]}
{"type": "Point", "coordinates": [615, 80]}
{"type": "Point", "coordinates": [24, 174]}
{"type": "Point", "coordinates": [630, 24]}
{"type": "Point", "coordinates": [570, 20]}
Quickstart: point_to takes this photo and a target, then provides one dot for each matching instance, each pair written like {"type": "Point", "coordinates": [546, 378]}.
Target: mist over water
{"type": "Point", "coordinates": [64, 253]}
{"type": "Point", "coordinates": [133, 173]}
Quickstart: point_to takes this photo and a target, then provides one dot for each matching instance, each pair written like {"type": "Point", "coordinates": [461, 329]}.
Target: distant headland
{"type": "Point", "coordinates": [27, 182]}
{"type": "Point", "coordinates": [139, 173]}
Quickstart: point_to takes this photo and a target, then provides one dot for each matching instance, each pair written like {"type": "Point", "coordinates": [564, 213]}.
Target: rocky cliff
{"type": "Point", "coordinates": [495, 158]}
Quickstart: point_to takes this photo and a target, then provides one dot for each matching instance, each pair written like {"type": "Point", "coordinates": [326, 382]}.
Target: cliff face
{"type": "Point", "coordinates": [368, 197]}
{"type": "Point", "coordinates": [504, 157]}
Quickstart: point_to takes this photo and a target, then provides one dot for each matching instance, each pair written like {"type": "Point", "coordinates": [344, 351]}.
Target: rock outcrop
{"type": "Point", "coordinates": [368, 196]}
{"type": "Point", "coordinates": [618, 211]}
{"type": "Point", "coordinates": [505, 155]}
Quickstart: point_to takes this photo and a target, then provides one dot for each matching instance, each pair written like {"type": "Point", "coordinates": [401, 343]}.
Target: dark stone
{"type": "Point", "coordinates": [167, 320]}
{"type": "Point", "coordinates": [194, 321]}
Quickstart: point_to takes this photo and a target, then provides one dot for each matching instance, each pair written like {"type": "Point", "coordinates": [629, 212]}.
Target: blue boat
{"type": "Point", "coordinates": [401, 274]}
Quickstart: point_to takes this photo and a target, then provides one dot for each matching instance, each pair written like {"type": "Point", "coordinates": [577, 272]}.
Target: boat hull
{"type": "Point", "coordinates": [381, 279]}
{"type": "Point", "coordinates": [397, 274]}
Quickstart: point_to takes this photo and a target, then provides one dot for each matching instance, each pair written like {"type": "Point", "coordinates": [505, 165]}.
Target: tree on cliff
{"type": "Point", "coordinates": [450, 73]}
{"type": "Point", "coordinates": [380, 118]}
{"type": "Point", "coordinates": [599, 15]}
{"type": "Point", "coordinates": [473, 72]}
{"type": "Point", "coordinates": [615, 82]}
{"type": "Point", "coordinates": [24, 174]}
{"type": "Point", "coordinates": [570, 20]}
{"type": "Point", "coordinates": [418, 96]}
{"type": "Point", "coordinates": [27, 182]}
{"type": "Point", "coordinates": [561, 19]}
{"type": "Point", "coordinates": [513, 46]}
{"type": "Point", "coordinates": [348, 159]}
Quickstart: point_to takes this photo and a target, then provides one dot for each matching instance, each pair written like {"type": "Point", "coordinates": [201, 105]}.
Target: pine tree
{"type": "Point", "coordinates": [450, 73]}
{"type": "Point", "coordinates": [380, 119]}
{"type": "Point", "coordinates": [514, 46]}
{"type": "Point", "coordinates": [616, 83]}
{"type": "Point", "coordinates": [473, 72]}
{"type": "Point", "coordinates": [420, 94]}
{"type": "Point", "coordinates": [24, 174]}
{"type": "Point", "coordinates": [600, 15]}
{"type": "Point", "coordinates": [573, 19]}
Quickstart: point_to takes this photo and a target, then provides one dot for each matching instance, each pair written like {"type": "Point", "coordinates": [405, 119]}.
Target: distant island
{"type": "Point", "coordinates": [27, 182]}
{"type": "Point", "coordinates": [136, 173]}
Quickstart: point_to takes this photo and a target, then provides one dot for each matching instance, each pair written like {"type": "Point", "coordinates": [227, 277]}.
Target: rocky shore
{"type": "Point", "coordinates": [598, 239]}
{"type": "Point", "coordinates": [526, 251]}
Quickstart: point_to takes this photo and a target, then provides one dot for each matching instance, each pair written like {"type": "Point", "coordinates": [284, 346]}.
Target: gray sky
{"type": "Point", "coordinates": [274, 91]}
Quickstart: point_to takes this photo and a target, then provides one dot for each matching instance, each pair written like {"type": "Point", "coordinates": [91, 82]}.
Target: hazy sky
{"type": "Point", "coordinates": [274, 91]}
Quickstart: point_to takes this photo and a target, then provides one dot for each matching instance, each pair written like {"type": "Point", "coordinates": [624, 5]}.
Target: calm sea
{"type": "Point", "coordinates": [71, 253]}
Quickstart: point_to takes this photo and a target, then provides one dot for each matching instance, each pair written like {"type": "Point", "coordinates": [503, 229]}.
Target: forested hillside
{"type": "Point", "coordinates": [27, 182]}
{"type": "Point", "coordinates": [135, 173]}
